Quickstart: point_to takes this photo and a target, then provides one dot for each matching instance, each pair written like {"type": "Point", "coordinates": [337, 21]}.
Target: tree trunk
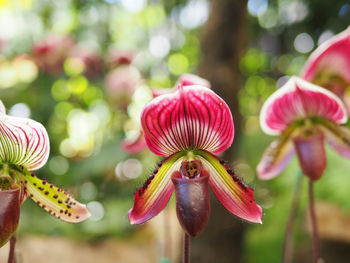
{"type": "Point", "coordinates": [223, 41]}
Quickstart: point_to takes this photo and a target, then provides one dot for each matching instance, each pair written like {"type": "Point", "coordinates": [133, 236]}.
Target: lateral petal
{"type": "Point", "coordinates": [277, 156]}
{"type": "Point", "coordinates": [54, 200]}
{"type": "Point", "coordinates": [155, 193]}
{"type": "Point", "coordinates": [232, 193]}
{"type": "Point", "coordinates": [193, 117]}
{"type": "Point", "coordinates": [299, 99]}
{"type": "Point", "coordinates": [338, 137]}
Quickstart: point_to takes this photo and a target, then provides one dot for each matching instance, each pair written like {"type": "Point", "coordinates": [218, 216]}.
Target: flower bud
{"type": "Point", "coordinates": [9, 213]}
{"type": "Point", "coordinates": [311, 153]}
{"type": "Point", "coordinates": [192, 202]}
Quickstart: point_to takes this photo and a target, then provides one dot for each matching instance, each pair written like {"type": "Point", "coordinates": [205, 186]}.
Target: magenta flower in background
{"type": "Point", "coordinates": [304, 116]}
{"type": "Point", "coordinates": [188, 127]}
{"type": "Point", "coordinates": [121, 84]}
{"type": "Point", "coordinates": [25, 148]}
{"type": "Point", "coordinates": [329, 66]}
{"type": "Point", "coordinates": [51, 52]}
{"type": "Point", "coordinates": [92, 61]}
{"type": "Point", "coordinates": [117, 57]}
{"type": "Point", "coordinates": [137, 144]}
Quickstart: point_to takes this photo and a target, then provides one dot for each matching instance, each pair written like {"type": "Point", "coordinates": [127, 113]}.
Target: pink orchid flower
{"type": "Point", "coordinates": [91, 60]}
{"type": "Point", "coordinates": [329, 66]}
{"type": "Point", "coordinates": [116, 57]}
{"type": "Point", "coordinates": [121, 84]}
{"type": "Point", "coordinates": [303, 115]}
{"type": "Point", "coordinates": [51, 52]}
{"type": "Point", "coordinates": [188, 127]}
{"type": "Point", "coordinates": [137, 143]}
{"type": "Point", "coordinates": [25, 148]}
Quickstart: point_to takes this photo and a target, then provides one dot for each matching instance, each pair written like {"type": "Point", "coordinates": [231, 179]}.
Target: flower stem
{"type": "Point", "coordinates": [288, 244]}
{"type": "Point", "coordinates": [315, 237]}
{"type": "Point", "coordinates": [12, 256]}
{"type": "Point", "coordinates": [186, 249]}
{"type": "Point", "coordinates": [167, 234]}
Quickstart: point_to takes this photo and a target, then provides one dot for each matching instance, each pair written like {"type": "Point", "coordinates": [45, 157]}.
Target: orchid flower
{"type": "Point", "coordinates": [90, 60]}
{"type": "Point", "coordinates": [24, 149]}
{"type": "Point", "coordinates": [117, 57]}
{"type": "Point", "coordinates": [121, 84]}
{"type": "Point", "coordinates": [304, 116]}
{"type": "Point", "coordinates": [188, 128]}
{"type": "Point", "coordinates": [137, 143]}
{"type": "Point", "coordinates": [50, 52]}
{"type": "Point", "coordinates": [329, 66]}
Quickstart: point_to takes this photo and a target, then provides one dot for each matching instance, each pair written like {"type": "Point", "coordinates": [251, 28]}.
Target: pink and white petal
{"type": "Point", "coordinates": [54, 200]}
{"type": "Point", "coordinates": [276, 157]}
{"type": "Point", "coordinates": [191, 79]}
{"type": "Point", "coordinates": [23, 142]}
{"type": "Point", "coordinates": [152, 197]}
{"type": "Point", "coordinates": [193, 117]}
{"type": "Point", "coordinates": [299, 99]}
{"type": "Point", "coordinates": [232, 193]}
{"type": "Point", "coordinates": [134, 146]}
{"type": "Point", "coordinates": [338, 138]}
{"type": "Point", "coordinates": [331, 57]}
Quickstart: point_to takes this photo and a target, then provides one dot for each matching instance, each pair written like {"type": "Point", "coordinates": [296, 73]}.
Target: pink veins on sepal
{"type": "Point", "coordinates": [299, 99]}
{"type": "Point", "coordinates": [193, 117]}
{"type": "Point", "coordinates": [23, 142]}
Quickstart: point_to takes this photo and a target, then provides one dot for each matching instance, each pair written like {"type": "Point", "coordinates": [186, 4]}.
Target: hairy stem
{"type": "Point", "coordinates": [315, 237]}
{"type": "Point", "coordinates": [12, 256]}
{"type": "Point", "coordinates": [186, 249]}
{"type": "Point", "coordinates": [288, 242]}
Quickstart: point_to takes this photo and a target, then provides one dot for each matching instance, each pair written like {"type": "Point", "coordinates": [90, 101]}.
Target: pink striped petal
{"type": "Point", "coordinates": [23, 142]}
{"type": "Point", "coordinates": [134, 146]}
{"type": "Point", "coordinates": [338, 138]}
{"type": "Point", "coordinates": [277, 156]}
{"type": "Point", "coordinates": [233, 194]}
{"type": "Point", "coordinates": [331, 58]}
{"type": "Point", "coordinates": [299, 99]}
{"type": "Point", "coordinates": [193, 117]}
{"type": "Point", "coordinates": [152, 197]}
